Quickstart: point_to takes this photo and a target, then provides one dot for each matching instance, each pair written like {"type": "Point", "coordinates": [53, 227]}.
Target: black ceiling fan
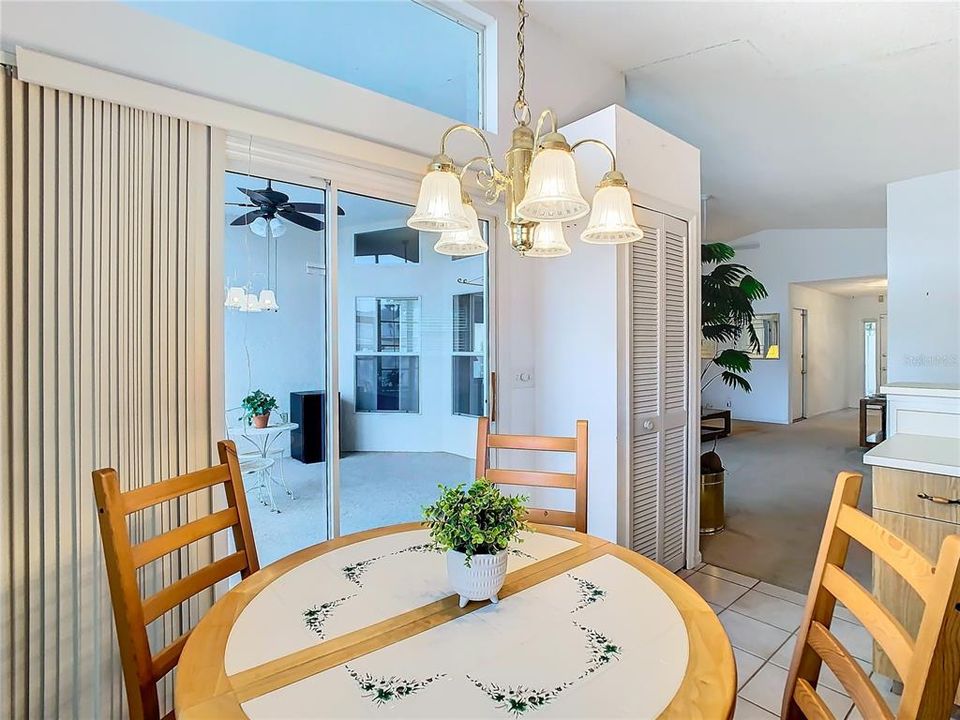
{"type": "Point", "coordinates": [271, 203]}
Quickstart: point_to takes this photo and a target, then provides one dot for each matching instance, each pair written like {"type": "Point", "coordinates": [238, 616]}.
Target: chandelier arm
{"type": "Point", "coordinates": [553, 125]}
{"type": "Point", "coordinates": [465, 128]}
{"type": "Point", "coordinates": [479, 158]}
{"type": "Point", "coordinates": [592, 141]}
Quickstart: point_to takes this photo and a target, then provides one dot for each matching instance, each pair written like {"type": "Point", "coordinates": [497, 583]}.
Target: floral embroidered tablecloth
{"type": "Point", "coordinates": [600, 640]}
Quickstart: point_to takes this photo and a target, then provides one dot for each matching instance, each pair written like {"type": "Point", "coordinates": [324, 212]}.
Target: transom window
{"type": "Point", "coordinates": [402, 49]}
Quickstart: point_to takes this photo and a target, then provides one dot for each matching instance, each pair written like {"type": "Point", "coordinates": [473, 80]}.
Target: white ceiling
{"type": "Point", "coordinates": [851, 287]}
{"type": "Point", "coordinates": [802, 111]}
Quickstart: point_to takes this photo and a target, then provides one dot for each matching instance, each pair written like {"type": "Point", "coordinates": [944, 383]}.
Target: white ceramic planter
{"type": "Point", "coordinates": [482, 580]}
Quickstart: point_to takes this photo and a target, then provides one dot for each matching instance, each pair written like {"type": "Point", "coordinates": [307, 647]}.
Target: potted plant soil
{"type": "Point", "coordinates": [257, 406]}
{"type": "Point", "coordinates": [475, 526]}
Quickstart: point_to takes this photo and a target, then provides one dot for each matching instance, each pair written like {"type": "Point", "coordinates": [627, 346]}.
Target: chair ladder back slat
{"type": "Point", "coordinates": [908, 561]}
{"type": "Point", "coordinates": [576, 481]}
{"type": "Point", "coordinates": [135, 658]}
{"type": "Point", "coordinates": [196, 582]}
{"type": "Point", "coordinates": [532, 478]}
{"type": "Point", "coordinates": [849, 673]}
{"type": "Point", "coordinates": [805, 664]}
{"type": "Point", "coordinates": [810, 703]}
{"type": "Point", "coordinates": [164, 490]}
{"type": "Point", "coordinates": [885, 629]}
{"type": "Point", "coordinates": [165, 543]}
{"type": "Point", "coordinates": [560, 518]}
{"type": "Point", "coordinates": [165, 660]}
{"type": "Point", "coordinates": [141, 670]}
{"type": "Point", "coordinates": [533, 442]}
{"type": "Point", "coordinates": [935, 671]}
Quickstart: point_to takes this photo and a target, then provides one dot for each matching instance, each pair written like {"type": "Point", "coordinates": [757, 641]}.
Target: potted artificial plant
{"type": "Point", "coordinates": [727, 294]}
{"type": "Point", "coordinates": [257, 406]}
{"type": "Point", "coordinates": [475, 526]}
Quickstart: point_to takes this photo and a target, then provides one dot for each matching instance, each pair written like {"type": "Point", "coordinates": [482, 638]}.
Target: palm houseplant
{"type": "Point", "coordinates": [727, 294]}
{"type": "Point", "coordinates": [475, 526]}
{"type": "Point", "coordinates": [257, 407]}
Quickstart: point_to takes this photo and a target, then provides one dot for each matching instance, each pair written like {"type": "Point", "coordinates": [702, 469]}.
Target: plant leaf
{"type": "Point", "coordinates": [753, 288]}
{"type": "Point", "coordinates": [735, 381]}
{"type": "Point", "coordinates": [716, 252]}
{"type": "Point", "coordinates": [736, 360]}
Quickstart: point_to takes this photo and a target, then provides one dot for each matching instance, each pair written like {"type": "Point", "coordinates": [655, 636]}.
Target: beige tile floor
{"type": "Point", "coordinates": [762, 621]}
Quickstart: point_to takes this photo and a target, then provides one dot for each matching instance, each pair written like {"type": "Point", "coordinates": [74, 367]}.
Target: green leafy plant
{"type": "Point", "coordinates": [477, 521]}
{"type": "Point", "coordinates": [727, 294]}
{"type": "Point", "coordinates": [258, 403]}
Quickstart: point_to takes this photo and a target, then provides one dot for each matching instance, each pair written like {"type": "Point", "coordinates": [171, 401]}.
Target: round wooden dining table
{"type": "Point", "coordinates": [366, 626]}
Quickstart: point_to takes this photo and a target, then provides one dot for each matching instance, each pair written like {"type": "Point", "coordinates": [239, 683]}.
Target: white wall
{"type": "Point", "coordinates": [434, 280]}
{"type": "Point", "coordinates": [779, 258]}
{"type": "Point", "coordinates": [827, 348]}
{"type": "Point", "coordinates": [923, 256]}
{"type": "Point", "coordinates": [868, 307]}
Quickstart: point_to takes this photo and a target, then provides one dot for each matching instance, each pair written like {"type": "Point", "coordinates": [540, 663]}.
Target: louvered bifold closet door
{"type": "Point", "coordinates": [658, 350]}
{"type": "Point", "coordinates": [107, 249]}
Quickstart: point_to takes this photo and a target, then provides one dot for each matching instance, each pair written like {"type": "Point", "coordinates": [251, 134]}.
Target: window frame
{"type": "Point", "coordinates": [482, 356]}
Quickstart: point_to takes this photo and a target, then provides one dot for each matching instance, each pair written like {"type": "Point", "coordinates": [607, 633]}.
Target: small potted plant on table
{"type": "Point", "coordinates": [475, 526]}
{"type": "Point", "coordinates": [257, 406]}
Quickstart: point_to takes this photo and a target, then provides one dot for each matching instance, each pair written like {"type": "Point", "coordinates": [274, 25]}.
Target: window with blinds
{"type": "Point", "coordinates": [469, 341]}
{"type": "Point", "coordinates": [388, 360]}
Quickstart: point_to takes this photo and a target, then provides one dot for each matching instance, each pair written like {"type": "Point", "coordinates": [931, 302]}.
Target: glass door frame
{"type": "Point", "coordinates": [385, 186]}
{"type": "Point", "coordinates": [262, 159]}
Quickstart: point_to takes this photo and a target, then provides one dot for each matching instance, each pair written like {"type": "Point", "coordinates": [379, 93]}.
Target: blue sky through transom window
{"type": "Point", "coordinates": [395, 47]}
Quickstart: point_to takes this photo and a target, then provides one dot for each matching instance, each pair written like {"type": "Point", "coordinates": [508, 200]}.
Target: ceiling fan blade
{"type": "Point", "coordinates": [241, 204]}
{"type": "Point", "coordinates": [265, 196]}
{"type": "Point", "coordinates": [300, 219]}
{"type": "Point", "coordinates": [248, 218]}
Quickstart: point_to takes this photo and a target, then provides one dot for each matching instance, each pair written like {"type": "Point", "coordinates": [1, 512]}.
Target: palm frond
{"type": "Point", "coordinates": [716, 252]}
{"type": "Point", "coordinates": [736, 360]}
{"type": "Point", "coordinates": [735, 381]}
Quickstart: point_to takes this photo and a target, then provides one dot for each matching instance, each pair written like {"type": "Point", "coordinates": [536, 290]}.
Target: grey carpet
{"type": "Point", "coordinates": [376, 489]}
{"type": "Point", "coordinates": [779, 480]}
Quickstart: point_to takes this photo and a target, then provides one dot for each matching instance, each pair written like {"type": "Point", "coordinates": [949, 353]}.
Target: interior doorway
{"type": "Point", "coordinates": [798, 365]}
{"type": "Point", "coordinates": [871, 357]}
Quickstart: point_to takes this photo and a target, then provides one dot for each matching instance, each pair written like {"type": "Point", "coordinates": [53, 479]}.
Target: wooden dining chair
{"type": "Point", "coordinates": [928, 665]}
{"type": "Point", "coordinates": [576, 481]}
{"type": "Point", "coordinates": [132, 613]}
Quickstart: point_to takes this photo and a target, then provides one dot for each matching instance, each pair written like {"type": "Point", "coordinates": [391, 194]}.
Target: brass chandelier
{"type": "Point", "coordinates": [539, 187]}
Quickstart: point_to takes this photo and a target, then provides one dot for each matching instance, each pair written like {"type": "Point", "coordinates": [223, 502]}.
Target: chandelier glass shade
{"type": "Point", "coordinates": [439, 206]}
{"type": "Point", "coordinates": [261, 226]}
{"type": "Point", "coordinates": [548, 241]}
{"type": "Point", "coordinates": [461, 243]}
{"type": "Point", "coordinates": [539, 187]}
{"type": "Point", "coordinates": [611, 219]}
{"type": "Point", "coordinates": [552, 191]}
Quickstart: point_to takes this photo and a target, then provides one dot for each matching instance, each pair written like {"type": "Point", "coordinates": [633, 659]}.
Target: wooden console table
{"type": "Point", "coordinates": [713, 430]}
{"type": "Point", "coordinates": [877, 402]}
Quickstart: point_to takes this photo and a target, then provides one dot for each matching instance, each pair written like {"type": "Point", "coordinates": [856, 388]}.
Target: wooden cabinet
{"type": "Point", "coordinates": [924, 523]}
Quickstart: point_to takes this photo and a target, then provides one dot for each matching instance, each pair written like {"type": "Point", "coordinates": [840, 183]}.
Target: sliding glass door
{"type": "Point", "coordinates": [275, 344]}
{"type": "Point", "coordinates": [413, 365]}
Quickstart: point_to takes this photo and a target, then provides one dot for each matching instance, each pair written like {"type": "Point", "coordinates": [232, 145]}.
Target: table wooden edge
{"type": "Point", "coordinates": [204, 690]}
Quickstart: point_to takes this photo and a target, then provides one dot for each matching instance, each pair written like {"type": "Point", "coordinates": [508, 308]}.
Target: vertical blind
{"type": "Point", "coordinates": [107, 313]}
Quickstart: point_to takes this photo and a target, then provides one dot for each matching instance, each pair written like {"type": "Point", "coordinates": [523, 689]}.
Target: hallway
{"type": "Point", "coordinates": [779, 479]}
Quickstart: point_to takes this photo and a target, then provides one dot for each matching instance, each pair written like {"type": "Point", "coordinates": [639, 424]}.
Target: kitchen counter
{"type": "Point", "coordinates": [920, 453]}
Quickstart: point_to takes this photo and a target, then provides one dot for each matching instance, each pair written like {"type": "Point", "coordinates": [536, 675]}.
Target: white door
{"type": "Point", "coordinates": [798, 365]}
{"type": "Point", "coordinates": [882, 339]}
{"type": "Point", "coordinates": [659, 360]}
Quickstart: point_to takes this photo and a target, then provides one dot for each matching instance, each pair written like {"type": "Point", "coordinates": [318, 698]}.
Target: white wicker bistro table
{"type": "Point", "coordinates": [365, 626]}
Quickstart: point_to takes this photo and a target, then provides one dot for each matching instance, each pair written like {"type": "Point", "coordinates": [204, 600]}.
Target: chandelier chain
{"type": "Point", "coordinates": [521, 111]}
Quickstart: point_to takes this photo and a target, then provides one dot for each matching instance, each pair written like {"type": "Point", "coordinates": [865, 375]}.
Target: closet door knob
{"type": "Point", "coordinates": [648, 424]}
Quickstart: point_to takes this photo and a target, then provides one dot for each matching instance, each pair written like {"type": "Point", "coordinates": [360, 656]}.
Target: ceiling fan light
{"type": "Point", "coordinates": [548, 241]}
{"type": "Point", "coordinates": [268, 301]}
{"type": "Point", "coordinates": [259, 227]}
{"type": "Point", "coordinates": [236, 297]}
{"type": "Point", "coordinates": [611, 220]}
{"type": "Point", "coordinates": [439, 205]}
{"type": "Point", "coordinates": [552, 192]}
{"type": "Point", "coordinates": [462, 243]}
